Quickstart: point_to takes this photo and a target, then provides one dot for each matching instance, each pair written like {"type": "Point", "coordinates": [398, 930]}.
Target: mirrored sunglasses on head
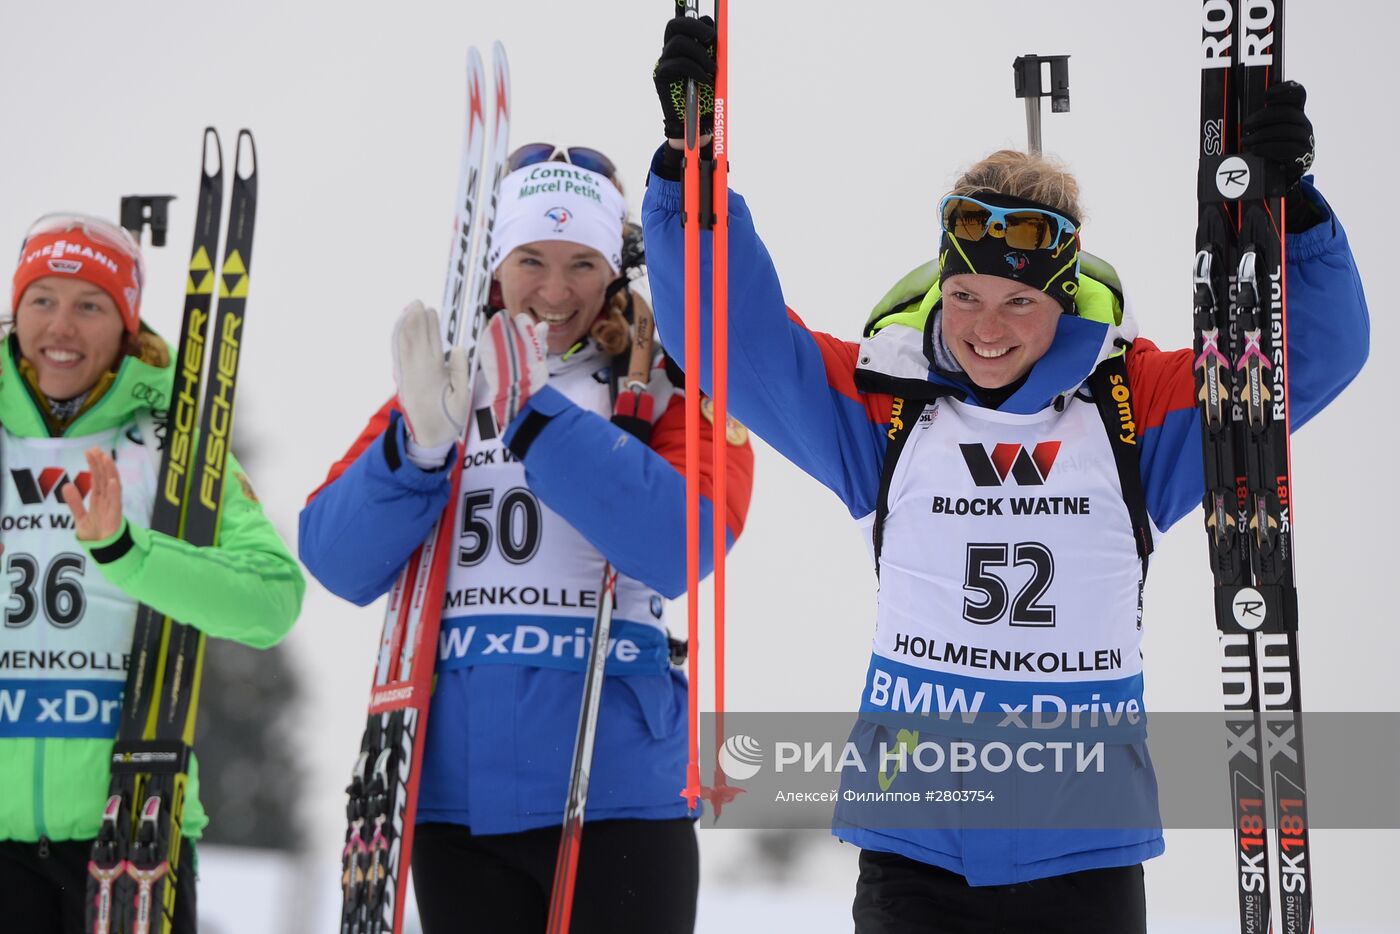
{"type": "Point", "coordinates": [99, 231]}
{"type": "Point", "coordinates": [1023, 228]}
{"type": "Point", "coordinates": [581, 156]}
{"type": "Point", "coordinates": [94, 228]}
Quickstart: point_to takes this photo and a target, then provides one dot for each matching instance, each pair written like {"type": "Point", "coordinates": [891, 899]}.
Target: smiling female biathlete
{"type": "Point", "coordinates": [84, 388]}
{"type": "Point", "coordinates": [990, 378]}
{"type": "Point", "coordinates": [558, 478]}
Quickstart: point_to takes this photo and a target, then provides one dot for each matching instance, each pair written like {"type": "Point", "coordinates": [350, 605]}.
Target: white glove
{"type": "Point", "coordinates": [435, 396]}
{"type": "Point", "coordinates": [512, 364]}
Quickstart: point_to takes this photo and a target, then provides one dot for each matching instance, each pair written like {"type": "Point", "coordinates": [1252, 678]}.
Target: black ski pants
{"type": "Point", "coordinates": [43, 887]}
{"type": "Point", "coordinates": [634, 877]}
{"type": "Point", "coordinates": [897, 895]}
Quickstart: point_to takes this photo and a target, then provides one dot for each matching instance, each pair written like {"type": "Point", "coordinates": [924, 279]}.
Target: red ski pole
{"type": "Point", "coordinates": [691, 206]}
{"type": "Point", "coordinates": [720, 792]}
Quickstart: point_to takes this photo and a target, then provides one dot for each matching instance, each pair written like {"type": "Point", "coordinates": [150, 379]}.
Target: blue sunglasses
{"type": "Point", "coordinates": [581, 156]}
{"type": "Point", "coordinates": [1022, 228]}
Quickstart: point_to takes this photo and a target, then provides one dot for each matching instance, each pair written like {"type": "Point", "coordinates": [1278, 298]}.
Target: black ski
{"type": "Point", "coordinates": [109, 886]}
{"type": "Point", "coordinates": [1241, 381]}
{"type": "Point", "coordinates": [136, 860]}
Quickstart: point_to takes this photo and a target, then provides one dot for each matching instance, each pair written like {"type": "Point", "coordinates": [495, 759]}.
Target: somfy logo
{"type": "Point", "coordinates": [1027, 468]}
{"type": "Point", "coordinates": [740, 757]}
{"type": "Point", "coordinates": [33, 491]}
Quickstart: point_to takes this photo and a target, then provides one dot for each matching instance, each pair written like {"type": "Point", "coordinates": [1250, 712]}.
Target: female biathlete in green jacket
{"type": "Point", "coordinates": [81, 384]}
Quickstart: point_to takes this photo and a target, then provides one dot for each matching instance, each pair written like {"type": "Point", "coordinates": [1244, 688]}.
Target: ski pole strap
{"type": "Point", "coordinates": [1113, 398]}
{"type": "Point", "coordinates": [903, 414]}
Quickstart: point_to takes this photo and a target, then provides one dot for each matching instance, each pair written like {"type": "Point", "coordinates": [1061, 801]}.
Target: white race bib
{"type": "Point", "coordinates": [1008, 573]}
{"type": "Point", "coordinates": [67, 631]}
{"type": "Point", "coordinates": [523, 584]}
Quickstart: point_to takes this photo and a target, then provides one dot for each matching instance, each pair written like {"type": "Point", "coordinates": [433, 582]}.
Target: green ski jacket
{"type": "Point", "coordinates": [249, 588]}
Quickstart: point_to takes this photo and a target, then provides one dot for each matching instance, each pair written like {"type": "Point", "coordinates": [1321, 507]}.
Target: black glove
{"type": "Point", "coordinates": [1280, 133]}
{"type": "Point", "coordinates": [687, 53]}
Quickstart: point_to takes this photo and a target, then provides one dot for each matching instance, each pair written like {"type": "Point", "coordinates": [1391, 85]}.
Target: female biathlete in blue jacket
{"type": "Point", "coordinates": [1006, 477]}
{"type": "Point", "coordinates": [552, 488]}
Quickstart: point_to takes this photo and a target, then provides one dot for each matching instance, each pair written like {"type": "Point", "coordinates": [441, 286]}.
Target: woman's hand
{"type": "Point", "coordinates": [102, 517]}
{"type": "Point", "coordinates": [513, 363]}
{"type": "Point", "coordinates": [1280, 133]}
{"type": "Point", "coordinates": [433, 392]}
{"type": "Point", "coordinates": [687, 54]}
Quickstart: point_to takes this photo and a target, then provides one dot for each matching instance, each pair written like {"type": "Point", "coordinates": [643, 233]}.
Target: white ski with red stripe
{"type": "Point", "coordinates": [384, 787]}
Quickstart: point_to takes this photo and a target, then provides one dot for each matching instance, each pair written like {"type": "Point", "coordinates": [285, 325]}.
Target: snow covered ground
{"type": "Point", "coordinates": [810, 893]}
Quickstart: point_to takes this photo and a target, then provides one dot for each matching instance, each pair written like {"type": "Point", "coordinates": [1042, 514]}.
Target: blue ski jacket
{"type": "Point", "coordinates": [797, 389]}
{"type": "Point", "coordinates": [501, 727]}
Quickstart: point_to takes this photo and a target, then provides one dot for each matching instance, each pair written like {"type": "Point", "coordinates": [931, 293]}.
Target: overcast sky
{"type": "Point", "coordinates": [847, 122]}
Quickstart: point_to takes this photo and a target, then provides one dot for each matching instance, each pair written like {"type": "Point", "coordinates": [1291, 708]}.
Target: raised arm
{"type": "Point", "coordinates": [794, 387]}
{"type": "Point", "coordinates": [247, 588]}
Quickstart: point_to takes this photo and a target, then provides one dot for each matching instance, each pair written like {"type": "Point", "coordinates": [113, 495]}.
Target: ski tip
{"type": "Point", "coordinates": [502, 68]}
{"type": "Point", "coordinates": [476, 79]}
{"type": "Point", "coordinates": [213, 153]}
{"type": "Point", "coordinates": [245, 139]}
{"type": "Point", "coordinates": [502, 78]}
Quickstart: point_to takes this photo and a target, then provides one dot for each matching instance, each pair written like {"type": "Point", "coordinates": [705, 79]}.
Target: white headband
{"type": "Point", "coordinates": [558, 201]}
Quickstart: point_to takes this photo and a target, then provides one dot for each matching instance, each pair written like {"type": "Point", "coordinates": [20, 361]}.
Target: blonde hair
{"type": "Point", "coordinates": [1024, 175]}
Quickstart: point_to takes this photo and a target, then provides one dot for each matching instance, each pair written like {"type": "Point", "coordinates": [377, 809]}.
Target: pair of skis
{"type": "Point", "coordinates": [1241, 369]}
{"type": "Point", "coordinates": [383, 792]}
{"type": "Point", "coordinates": [136, 864]}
